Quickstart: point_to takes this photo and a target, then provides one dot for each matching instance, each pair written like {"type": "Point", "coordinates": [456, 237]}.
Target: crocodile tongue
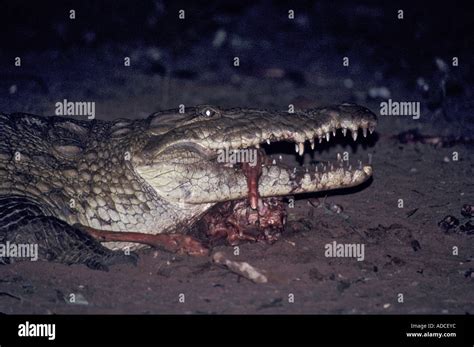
{"type": "Point", "coordinates": [253, 173]}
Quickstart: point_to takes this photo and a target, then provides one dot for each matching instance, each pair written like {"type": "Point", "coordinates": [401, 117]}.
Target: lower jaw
{"type": "Point", "coordinates": [263, 178]}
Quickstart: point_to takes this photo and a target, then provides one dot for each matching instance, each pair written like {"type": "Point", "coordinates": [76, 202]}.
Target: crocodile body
{"type": "Point", "coordinates": [153, 175]}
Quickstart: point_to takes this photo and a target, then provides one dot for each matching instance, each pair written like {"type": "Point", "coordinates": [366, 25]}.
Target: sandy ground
{"type": "Point", "coordinates": [405, 250]}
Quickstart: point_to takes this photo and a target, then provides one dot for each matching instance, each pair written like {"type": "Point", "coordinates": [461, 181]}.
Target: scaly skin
{"type": "Point", "coordinates": [160, 174]}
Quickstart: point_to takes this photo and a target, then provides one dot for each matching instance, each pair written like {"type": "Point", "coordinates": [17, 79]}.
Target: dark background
{"type": "Point", "coordinates": [258, 32]}
{"type": "Point", "coordinates": [430, 26]}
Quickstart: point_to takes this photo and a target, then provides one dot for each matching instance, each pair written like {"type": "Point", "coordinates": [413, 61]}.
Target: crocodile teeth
{"type": "Point", "coordinates": [327, 137]}
{"type": "Point", "coordinates": [360, 165]}
{"type": "Point", "coordinates": [296, 148]}
{"type": "Point", "coordinates": [312, 143]}
{"type": "Point", "coordinates": [274, 162]}
{"type": "Point", "coordinates": [301, 148]}
{"type": "Point", "coordinates": [344, 131]}
{"type": "Point", "coordinates": [333, 132]}
{"type": "Point", "coordinates": [364, 132]}
{"type": "Point", "coordinates": [320, 139]}
{"type": "Point", "coordinates": [371, 129]}
{"type": "Point", "coordinates": [268, 141]}
{"type": "Point", "coordinates": [280, 157]}
{"type": "Point", "coordinates": [354, 135]}
{"type": "Point", "coordinates": [257, 145]}
{"type": "Point", "coordinates": [339, 157]}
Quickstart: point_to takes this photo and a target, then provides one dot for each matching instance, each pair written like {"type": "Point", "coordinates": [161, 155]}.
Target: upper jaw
{"type": "Point", "coordinates": [235, 129]}
{"type": "Point", "coordinates": [314, 125]}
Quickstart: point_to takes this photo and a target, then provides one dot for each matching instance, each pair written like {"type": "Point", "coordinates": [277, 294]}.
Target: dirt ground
{"type": "Point", "coordinates": [406, 252]}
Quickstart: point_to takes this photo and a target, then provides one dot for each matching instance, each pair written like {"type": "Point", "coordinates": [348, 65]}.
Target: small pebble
{"type": "Point", "coordinates": [154, 53]}
{"type": "Point", "coordinates": [467, 210]}
{"type": "Point", "coordinates": [348, 83]}
{"type": "Point", "coordinates": [441, 65]}
{"type": "Point", "coordinates": [379, 92]}
{"type": "Point", "coordinates": [219, 38]}
{"type": "Point", "coordinates": [467, 228]}
{"type": "Point", "coordinates": [449, 222]}
{"type": "Point", "coordinates": [422, 84]}
{"type": "Point", "coordinates": [336, 208]}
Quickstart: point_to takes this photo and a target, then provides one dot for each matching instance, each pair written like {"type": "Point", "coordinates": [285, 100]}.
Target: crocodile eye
{"type": "Point", "coordinates": [208, 112]}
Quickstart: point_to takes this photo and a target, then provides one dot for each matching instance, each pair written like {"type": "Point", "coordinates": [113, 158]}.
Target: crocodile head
{"type": "Point", "coordinates": [191, 158]}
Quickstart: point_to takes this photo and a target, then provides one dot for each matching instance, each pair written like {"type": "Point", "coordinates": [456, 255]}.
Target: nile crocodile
{"type": "Point", "coordinates": [62, 181]}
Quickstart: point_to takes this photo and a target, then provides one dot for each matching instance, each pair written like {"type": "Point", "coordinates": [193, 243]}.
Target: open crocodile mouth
{"type": "Point", "coordinates": [236, 156]}
{"type": "Point", "coordinates": [259, 159]}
